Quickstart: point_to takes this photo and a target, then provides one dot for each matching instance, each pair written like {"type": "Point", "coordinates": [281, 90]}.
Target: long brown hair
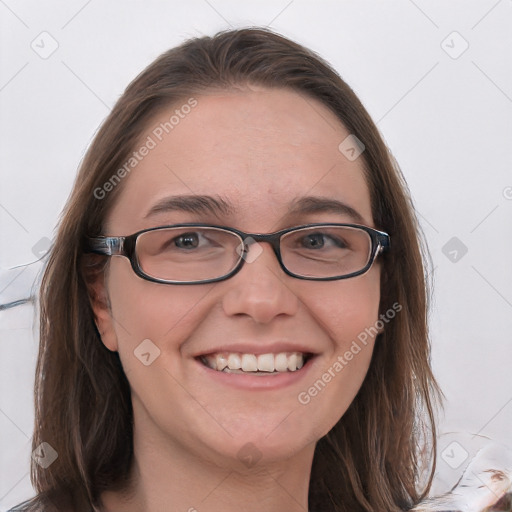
{"type": "Point", "coordinates": [381, 449]}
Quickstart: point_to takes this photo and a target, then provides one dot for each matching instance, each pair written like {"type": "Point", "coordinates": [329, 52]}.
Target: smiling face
{"type": "Point", "coordinates": [258, 152]}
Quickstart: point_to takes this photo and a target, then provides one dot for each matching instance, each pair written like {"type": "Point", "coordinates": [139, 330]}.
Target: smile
{"type": "Point", "coordinates": [262, 364]}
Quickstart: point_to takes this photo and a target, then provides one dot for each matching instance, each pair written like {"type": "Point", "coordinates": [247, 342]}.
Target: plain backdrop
{"type": "Point", "coordinates": [435, 76]}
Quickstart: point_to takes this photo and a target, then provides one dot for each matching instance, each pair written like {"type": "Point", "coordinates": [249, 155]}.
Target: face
{"type": "Point", "coordinates": [261, 151]}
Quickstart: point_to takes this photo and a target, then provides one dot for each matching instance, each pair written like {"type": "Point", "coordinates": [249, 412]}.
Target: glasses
{"type": "Point", "coordinates": [200, 253]}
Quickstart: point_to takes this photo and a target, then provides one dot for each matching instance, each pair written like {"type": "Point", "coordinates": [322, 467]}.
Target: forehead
{"type": "Point", "coordinates": [258, 149]}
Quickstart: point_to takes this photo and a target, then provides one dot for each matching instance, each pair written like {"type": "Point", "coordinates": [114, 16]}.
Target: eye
{"type": "Point", "coordinates": [186, 240]}
{"type": "Point", "coordinates": [194, 241]}
{"type": "Point", "coordinates": [319, 241]}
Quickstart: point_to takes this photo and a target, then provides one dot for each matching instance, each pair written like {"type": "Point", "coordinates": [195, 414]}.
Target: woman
{"type": "Point", "coordinates": [189, 360]}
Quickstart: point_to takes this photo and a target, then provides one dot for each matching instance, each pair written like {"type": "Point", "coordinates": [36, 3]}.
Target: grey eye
{"type": "Point", "coordinates": [319, 240]}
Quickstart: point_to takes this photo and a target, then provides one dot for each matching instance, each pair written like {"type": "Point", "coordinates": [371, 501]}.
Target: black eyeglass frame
{"type": "Point", "coordinates": [125, 246]}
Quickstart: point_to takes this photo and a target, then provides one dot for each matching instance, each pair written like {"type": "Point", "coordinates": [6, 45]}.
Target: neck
{"type": "Point", "coordinates": [167, 477]}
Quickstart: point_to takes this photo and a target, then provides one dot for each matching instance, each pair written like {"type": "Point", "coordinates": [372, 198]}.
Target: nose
{"type": "Point", "coordinates": [261, 289]}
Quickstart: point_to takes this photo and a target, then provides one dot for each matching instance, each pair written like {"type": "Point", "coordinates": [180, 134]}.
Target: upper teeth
{"type": "Point", "coordinates": [282, 362]}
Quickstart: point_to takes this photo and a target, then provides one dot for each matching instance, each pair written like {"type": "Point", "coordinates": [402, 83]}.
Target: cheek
{"type": "Point", "coordinates": [348, 307]}
{"type": "Point", "coordinates": [143, 310]}
{"type": "Point", "coordinates": [348, 313]}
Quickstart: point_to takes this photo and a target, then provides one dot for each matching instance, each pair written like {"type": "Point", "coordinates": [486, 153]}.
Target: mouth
{"type": "Point", "coordinates": [256, 364]}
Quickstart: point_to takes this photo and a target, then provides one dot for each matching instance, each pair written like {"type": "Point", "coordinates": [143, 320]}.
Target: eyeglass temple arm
{"type": "Point", "coordinates": [108, 245]}
{"type": "Point", "coordinates": [384, 241]}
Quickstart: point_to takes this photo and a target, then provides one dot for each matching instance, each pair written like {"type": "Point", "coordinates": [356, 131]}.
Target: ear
{"type": "Point", "coordinates": [95, 276]}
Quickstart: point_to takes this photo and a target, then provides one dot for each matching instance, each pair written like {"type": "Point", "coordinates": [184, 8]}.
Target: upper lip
{"type": "Point", "coordinates": [258, 348]}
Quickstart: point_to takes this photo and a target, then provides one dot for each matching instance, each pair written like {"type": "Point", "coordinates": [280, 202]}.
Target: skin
{"type": "Point", "coordinates": [258, 149]}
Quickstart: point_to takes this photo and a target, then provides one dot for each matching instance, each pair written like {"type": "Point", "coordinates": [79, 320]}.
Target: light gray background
{"type": "Point", "coordinates": [445, 113]}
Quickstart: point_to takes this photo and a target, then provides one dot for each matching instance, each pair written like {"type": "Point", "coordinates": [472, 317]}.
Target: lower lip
{"type": "Point", "coordinates": [275, 380]}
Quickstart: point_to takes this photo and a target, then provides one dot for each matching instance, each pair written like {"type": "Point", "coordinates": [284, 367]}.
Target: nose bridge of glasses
{"type": "Point", "coordinates": [270, 238]}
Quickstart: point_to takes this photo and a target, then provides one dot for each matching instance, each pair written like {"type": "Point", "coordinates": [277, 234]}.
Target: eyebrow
{"type": "Point", "coordinates": [216, 205]}
{"type": "Point", "coordinates": [198, 204]}
{"type": "Point", "coordinates": [315, 204]}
